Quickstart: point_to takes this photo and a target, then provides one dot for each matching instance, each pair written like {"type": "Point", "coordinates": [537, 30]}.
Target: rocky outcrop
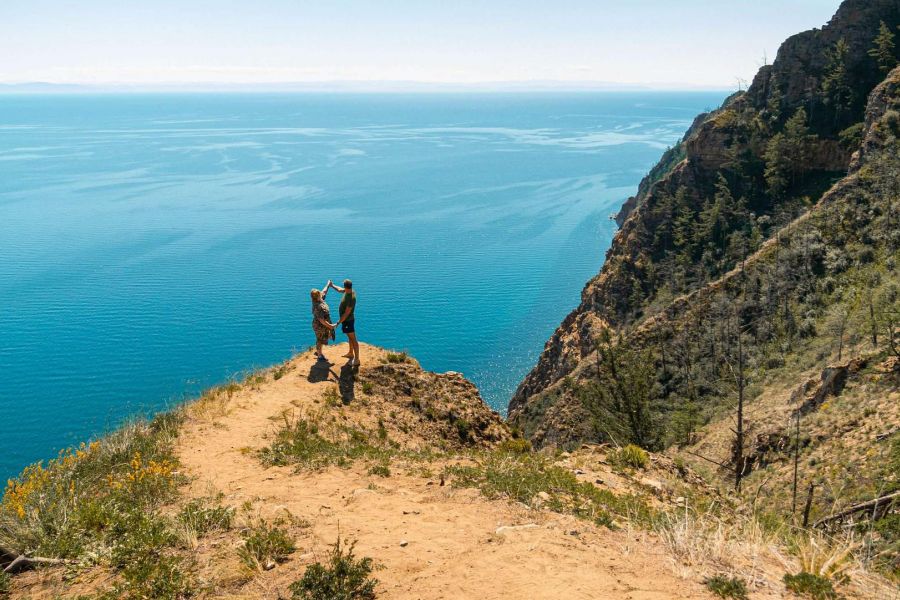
{"type": "Point", "coordinates": [433, 408]}
{"type": "Point", "coordinates": [801, 61]}
{"type": "Point", "coordinates": [671, 158]}
{"type": "Point", "coordinates": [882, 118]}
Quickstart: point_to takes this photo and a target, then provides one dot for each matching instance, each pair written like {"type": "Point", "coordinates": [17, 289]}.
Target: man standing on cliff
{"type": "Point", "coordinates": [348, 319]}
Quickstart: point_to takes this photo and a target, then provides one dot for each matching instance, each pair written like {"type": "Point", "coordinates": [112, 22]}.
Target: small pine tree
{"type": "Point", "coordinates": [776, 166]}
{"type": "Point", "coordinates": [883, 49]}
{"type": "Point", "coordinates": [836, 88]}
{"type": "Point", "coordinates": [626, 378]}
{"type": "Point", "coordinates": [683, 223]}
{"type": "Point", "coordinates": [797, 136]}
{"type": "Point", "coordinates": [773, 103]}
{"type": "Point", "coordinates": [714, 219]}
{"type": "Point", "coordinates": [786, 154]}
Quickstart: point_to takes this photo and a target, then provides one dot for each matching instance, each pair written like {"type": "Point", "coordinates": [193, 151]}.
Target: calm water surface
{"type": "Point", "coordinates": [153, 245]}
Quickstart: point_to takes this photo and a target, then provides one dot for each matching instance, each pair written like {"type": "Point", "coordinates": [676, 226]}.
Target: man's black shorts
{"type": "Point", "coordinates": [349, 326]}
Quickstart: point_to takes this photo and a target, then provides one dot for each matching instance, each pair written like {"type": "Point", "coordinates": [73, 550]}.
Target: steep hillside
{"type": "Point", "coordinates": [741, 174]}
{"type": "Point", "coordinates": [767, 258]}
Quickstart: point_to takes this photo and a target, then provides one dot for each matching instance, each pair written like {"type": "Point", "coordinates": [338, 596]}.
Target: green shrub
{"type": "Point", "coordinates": [332, 397]}
{"type": "Point", "coordinates": [851, 137]}
{"type": "Point", "coordinates": [4, 585]}
{"type": "Point", "coordinates": [202, 519]}
{"type": "Point", "coordinates": [463, 429]}
{"type": "Point", "coordinates": [515, 446]}
{"type": "Point", "coordinates": [382, 470]}
{"type": "Point", "coordinates": [344, 578]}
{"type": "Point", "coordinates": [727, 587]}
{"type": "Point", "coordinates": [161, 577]}
{"type": "Point", "coordinates": [631, 456]}
{"type": "Point", "coordinates": [810, 586]}
{"type": "Point", "coordinates": [367, 387]}
{"type": "Point", "coordinates": [135, 535]}
{"type": "Point", "coordinates": [397, 357]}
{"type": "Point", "coordinates": [265, 545]}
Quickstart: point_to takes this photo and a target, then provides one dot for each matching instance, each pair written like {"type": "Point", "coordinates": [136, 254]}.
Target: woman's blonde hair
{"type": "Point", "coordinates": [315, 295]}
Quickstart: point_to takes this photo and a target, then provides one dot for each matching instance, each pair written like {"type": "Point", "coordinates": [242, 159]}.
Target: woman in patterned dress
{"type": "Point", "coordinates": [321, 323]}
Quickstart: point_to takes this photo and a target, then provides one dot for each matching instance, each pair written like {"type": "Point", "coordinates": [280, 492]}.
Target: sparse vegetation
{"type": "Point", "coordinates": [152, 576]}
{"type": "Point", "coordinates": [695, 537]}
{"type": "Point", "coordinates": [200, 517]}
{"type": "Point", "coordinates": [724, 586]}
{"type": "Point", "coordinates": [515, 446]}
{"type": "Point", "coordinates": [811, 586]}
{"type": "Point", "coordinates": [829, 558]}
{"type": "Point", "coordinates": [332, 397]}
{"type": "Point", "coordinates": [528, 478]}
{"type": "Point", "coordinates": [213, 402]}
{"type": "Point", "coordinates": [396, 357]}
{"type": "Point", "coordinates": [265, 545]}
{"type": "Point", "coordinates": [301, 442]}
{"type": "Point", "coordinates": [463, 429]}
{"type": "Point", "coordinates": [381, 470]}
{"type": "Point", "coordinates": [280, 371]}
{"type": "Point", "coordinates": [66, 507]}
{"type": "Point", "coordinates": [343, 577]}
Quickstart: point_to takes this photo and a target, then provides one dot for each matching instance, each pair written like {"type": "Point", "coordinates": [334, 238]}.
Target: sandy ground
{"type": "Point", "coordinates": [431, 541]}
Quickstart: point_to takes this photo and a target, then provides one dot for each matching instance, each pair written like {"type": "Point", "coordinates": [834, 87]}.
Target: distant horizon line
{"type": "Point", "coordinates": [536, 85]}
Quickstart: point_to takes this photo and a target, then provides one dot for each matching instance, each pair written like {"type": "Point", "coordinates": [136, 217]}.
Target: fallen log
{"type": "Point", "coordinates": [883, 436]}
{"type": "Point", "coordinates": [16, 562]}
{"type": "Point", "coordinates": [715, 462]}
{"type": "Point", "coordinates": [882, 502]}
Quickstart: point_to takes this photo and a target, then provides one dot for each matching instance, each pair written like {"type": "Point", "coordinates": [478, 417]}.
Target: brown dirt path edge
{"type": "Point", "coordinates": [455, 547]}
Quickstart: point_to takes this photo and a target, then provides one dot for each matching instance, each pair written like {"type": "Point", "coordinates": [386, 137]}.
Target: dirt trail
{"type": "Point", "coordinates": [431, 541]}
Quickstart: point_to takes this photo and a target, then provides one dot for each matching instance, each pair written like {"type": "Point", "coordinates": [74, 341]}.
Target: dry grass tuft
{"type": "Point", "coordinates": [213, 403]}
{"type": "Point", "coordinates": [704, 544]}
{"type": "Point", "coordinates": [831, 558]}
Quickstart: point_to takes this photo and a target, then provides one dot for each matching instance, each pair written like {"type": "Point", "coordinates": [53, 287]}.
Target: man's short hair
{"type": "Point", "coordinates": [348, 284]}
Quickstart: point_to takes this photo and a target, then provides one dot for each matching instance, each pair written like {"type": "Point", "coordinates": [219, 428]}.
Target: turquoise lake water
{"type": "Point", "coordinates": [153, 245]}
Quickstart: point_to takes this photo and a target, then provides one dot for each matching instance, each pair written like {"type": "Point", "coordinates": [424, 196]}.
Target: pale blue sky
{"type": "Point", "coordinates": [657, 42]}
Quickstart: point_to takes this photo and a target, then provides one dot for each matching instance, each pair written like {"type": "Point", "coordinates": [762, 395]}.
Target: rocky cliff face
{"type": "Point", "coordinates": [802, 59]}
{"type": "Point", "coordinates": [837, 259]}
{"type": "Point", "coordinates": [635, 285]}
{"type": "Point", "coordinates": [881, 119]}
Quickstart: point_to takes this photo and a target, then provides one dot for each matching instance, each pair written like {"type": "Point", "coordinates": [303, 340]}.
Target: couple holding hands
{"type": "Point", "coordinates": [324, 328]}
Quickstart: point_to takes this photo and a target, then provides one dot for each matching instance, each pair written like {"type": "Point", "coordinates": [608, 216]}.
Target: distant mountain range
{"type": "Point", "coordinates": [41, 87]}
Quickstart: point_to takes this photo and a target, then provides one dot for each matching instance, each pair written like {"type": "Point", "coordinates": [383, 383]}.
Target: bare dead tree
{"type": "Point", "coordinates": [739, 432]}
{"type": "Point", "coordinates": [873, 322]}
{"type": "Point", "coordinates": [808, 507]}
{"type": "Point", "coordinates": [879, 507]}
{"type": "Point", "coordinates": [796, 460]}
